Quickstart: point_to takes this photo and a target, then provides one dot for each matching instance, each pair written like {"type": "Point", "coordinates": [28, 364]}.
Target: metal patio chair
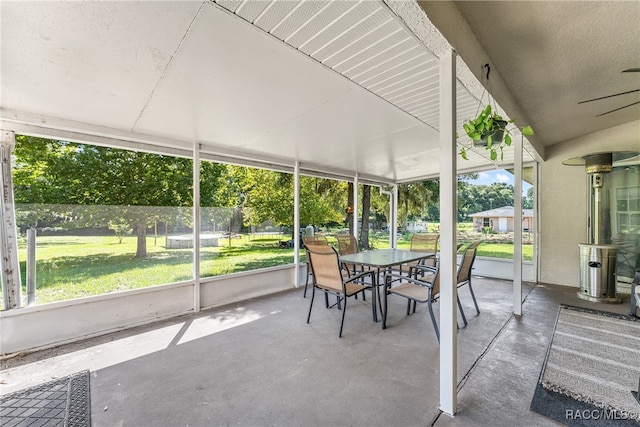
{"type": "Point", "coordinates": [464, 274]}
{"type": "Point", "coordinates": [421, 286]}
{"type": "Point", "coordinates": [312, 240]}
{"type": "Point", "coordinates": [327, 277]}
{"type": "Point", "coordinates": [421, 242]}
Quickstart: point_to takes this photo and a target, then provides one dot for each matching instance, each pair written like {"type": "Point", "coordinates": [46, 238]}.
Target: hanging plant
{"type": "Point", "coordinates": [489, 130]}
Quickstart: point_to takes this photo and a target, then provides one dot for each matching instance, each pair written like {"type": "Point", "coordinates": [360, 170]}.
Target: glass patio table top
{"type": "Point", "coordinates": [385, 258]}
{"type": "Point", "coordinates": [382, 259]}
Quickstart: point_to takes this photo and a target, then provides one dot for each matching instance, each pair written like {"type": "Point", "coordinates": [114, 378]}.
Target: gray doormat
{"type": "Point", "coordinates": [591, 369]}
{"type": "Point", "coordinates": [62, 402]}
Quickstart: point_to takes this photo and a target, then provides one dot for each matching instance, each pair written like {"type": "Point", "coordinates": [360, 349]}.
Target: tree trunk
{"type": "Point", "coordinates": [349, 205]}
{"type": "Point", "coordinates": [141, 231]}
{"type": "Point", "coordinates": [366, 204]}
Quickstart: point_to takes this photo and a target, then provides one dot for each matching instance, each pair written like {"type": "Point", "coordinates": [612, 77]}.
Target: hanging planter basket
{"type": "Point", "coordinates": [494, 136]}
{"type": "Point", "coordinates": [489, 130]}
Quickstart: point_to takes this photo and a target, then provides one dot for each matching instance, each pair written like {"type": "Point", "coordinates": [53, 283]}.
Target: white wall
{"type": "Point", "coordinates": [563, 200]}
{"type": "Point", "coordinates": [48, 325]}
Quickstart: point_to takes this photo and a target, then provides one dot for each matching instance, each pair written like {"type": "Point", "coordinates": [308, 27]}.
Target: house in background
{"type": "Point", "coordinates": [501, 220]}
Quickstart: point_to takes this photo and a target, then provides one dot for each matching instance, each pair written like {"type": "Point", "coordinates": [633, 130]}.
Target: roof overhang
{"type": "Point", "coordinates": [341, 87]}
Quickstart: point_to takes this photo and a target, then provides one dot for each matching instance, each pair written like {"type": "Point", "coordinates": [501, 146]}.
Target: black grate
{"type": "Point", "coordinates": [64, 402]}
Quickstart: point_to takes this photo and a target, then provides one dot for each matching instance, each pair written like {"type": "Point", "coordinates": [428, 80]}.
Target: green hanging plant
{"type": "Point", "coordinates": [489, 130]}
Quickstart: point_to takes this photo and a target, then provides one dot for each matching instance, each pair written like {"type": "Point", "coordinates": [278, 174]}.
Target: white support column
{"type": "Point", "coordinates": [517, 229]}
{"type": "Point", "coordinates": [196, 227]}
{"type": "Point", "coordinates": [393, 228]}
{"type": "Point", "coordinates": [448, 224]}
{"type": "Point", "coordinates": [11, 283]}
{"type": "Point", "coordinates": [355, 207]}
{"type": "Point", "coordinates": [296, 223]}
{"type": "Point", "coordinates": [536, 222]}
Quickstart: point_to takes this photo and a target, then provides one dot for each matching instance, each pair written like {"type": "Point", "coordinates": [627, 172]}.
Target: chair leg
{"type": "Point", "coordinates": [306, 284]}
{"type": "Point", "coordinates": [474, 297]}
{"type": "Point", "coordinates": [464, 318]}
{"type": "Point", "coordinates": [433, 320]}
{"type": "Point", "coordinates": [408, 307]}
{"type": "Point", "coordinates": [313, 294]}
{"type": "Point", "coordinates": [344, 310]}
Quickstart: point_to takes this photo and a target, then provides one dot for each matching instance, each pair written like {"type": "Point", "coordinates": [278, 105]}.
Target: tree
{"type": "Point", "coordinates": [350, 207]}
{"type": "Point", "coordinates": [478, 198]}
{"type": "Point", "coordinates": [415, 198]}
{"type": "Point", "coordinates": [366, 204]}
{"type": "Point", "coordinates": [528, 200]}
{"type": "Point", "coordinates": [269, 197]}
{"type": "Point", "coordinates": [60, 172]}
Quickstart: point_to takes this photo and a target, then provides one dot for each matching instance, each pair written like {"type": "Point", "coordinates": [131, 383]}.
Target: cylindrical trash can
{"type": "Point", "coordinates": [597, 273]}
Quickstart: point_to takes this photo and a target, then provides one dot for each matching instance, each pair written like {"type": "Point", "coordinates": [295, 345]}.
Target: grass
{"type": "Point", "coordinates": [75, 266]}
{"type": "Point", "coordinates": [70, 267]}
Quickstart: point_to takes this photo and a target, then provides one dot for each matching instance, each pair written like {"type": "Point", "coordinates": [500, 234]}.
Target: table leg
{"type": "Point", "coordinates": [375, 295]}
{"type": "Point", "coordinates": [385, 310]}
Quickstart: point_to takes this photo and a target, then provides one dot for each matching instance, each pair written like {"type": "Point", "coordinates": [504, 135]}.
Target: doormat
{"type": "Point", "coordinates": [62, 402]}
{"type": "Point", "coordinates": [591, 370]}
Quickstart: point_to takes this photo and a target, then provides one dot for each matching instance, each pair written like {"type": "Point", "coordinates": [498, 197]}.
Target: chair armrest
{"type": "Point", "coordinates": [409, 279]}
{"type": "Point", "coordinates": [427, 268]}
{"type": "Point", "coordinates": [361, 275]}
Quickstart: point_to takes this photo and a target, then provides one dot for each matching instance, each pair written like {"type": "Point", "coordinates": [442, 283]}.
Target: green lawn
{"type": "Point", "coordinates": [70, 267]}
{"type": "Point", "coordinates": [75, 266]}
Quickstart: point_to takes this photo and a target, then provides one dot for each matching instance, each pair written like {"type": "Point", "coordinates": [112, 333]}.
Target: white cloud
{"type": "Point", "coordinates": [483, 176]}
{"type": "Point", "coordinates": [503, 178]}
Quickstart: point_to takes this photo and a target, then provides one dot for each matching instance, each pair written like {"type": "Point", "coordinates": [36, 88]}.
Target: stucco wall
{"type": "Point", "coordinates": [563, 200]}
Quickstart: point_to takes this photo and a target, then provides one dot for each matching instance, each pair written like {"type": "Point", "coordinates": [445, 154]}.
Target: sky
{"type": "Point", "coordinates": [499, 175]}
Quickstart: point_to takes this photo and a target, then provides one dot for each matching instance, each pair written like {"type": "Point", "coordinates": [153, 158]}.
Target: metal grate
{"type": "Point", "coordinates": [62, 402]}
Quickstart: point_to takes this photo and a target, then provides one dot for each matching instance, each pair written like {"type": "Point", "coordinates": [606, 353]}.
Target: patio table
{"type": "Point", "coordinates": [382, 259]}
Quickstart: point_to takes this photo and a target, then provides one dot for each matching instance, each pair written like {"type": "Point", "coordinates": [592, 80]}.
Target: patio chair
{"type": "Point", "coordinates": [464, 273]}
{"type": "Point", "coordinates": [422, 285]}
{"type": "Point", "coordinates": [414, 290]}
{"type": "Point", "coordinates": [421, 242]}
{"type": "Point", "coordinates": [347, 244]}
{"type": "Point", "coordinates": [327, 277]}
{"type": "Point", "coordinates": [425, 242]}
{"type": "Point", "coordinates": [312, 240]}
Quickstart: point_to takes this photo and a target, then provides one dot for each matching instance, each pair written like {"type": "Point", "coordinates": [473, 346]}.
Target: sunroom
{"type": "Point", "coordinates": [369, 92]}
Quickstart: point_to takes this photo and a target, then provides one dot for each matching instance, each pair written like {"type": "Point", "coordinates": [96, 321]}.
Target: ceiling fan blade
{"type": "Point", "coordinates": [633, 103]}
{"type": "Point", "coordinates": [631, 70]}
{"type": "Point", "coordinates": [610, 96]}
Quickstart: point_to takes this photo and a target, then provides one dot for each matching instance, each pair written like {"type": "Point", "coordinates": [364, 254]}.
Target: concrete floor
{"type": "Point", "coordinates": [258, 363]}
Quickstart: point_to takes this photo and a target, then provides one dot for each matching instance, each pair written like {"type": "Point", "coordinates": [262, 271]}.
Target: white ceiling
{"type": "Point", "coordinates": [554, 54]}
{"type": "Point", "coordinates": [341, 86]}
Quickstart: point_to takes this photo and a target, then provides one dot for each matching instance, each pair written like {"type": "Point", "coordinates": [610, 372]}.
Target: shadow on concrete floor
{"type": "Point", "coordinates": [258, 363]}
